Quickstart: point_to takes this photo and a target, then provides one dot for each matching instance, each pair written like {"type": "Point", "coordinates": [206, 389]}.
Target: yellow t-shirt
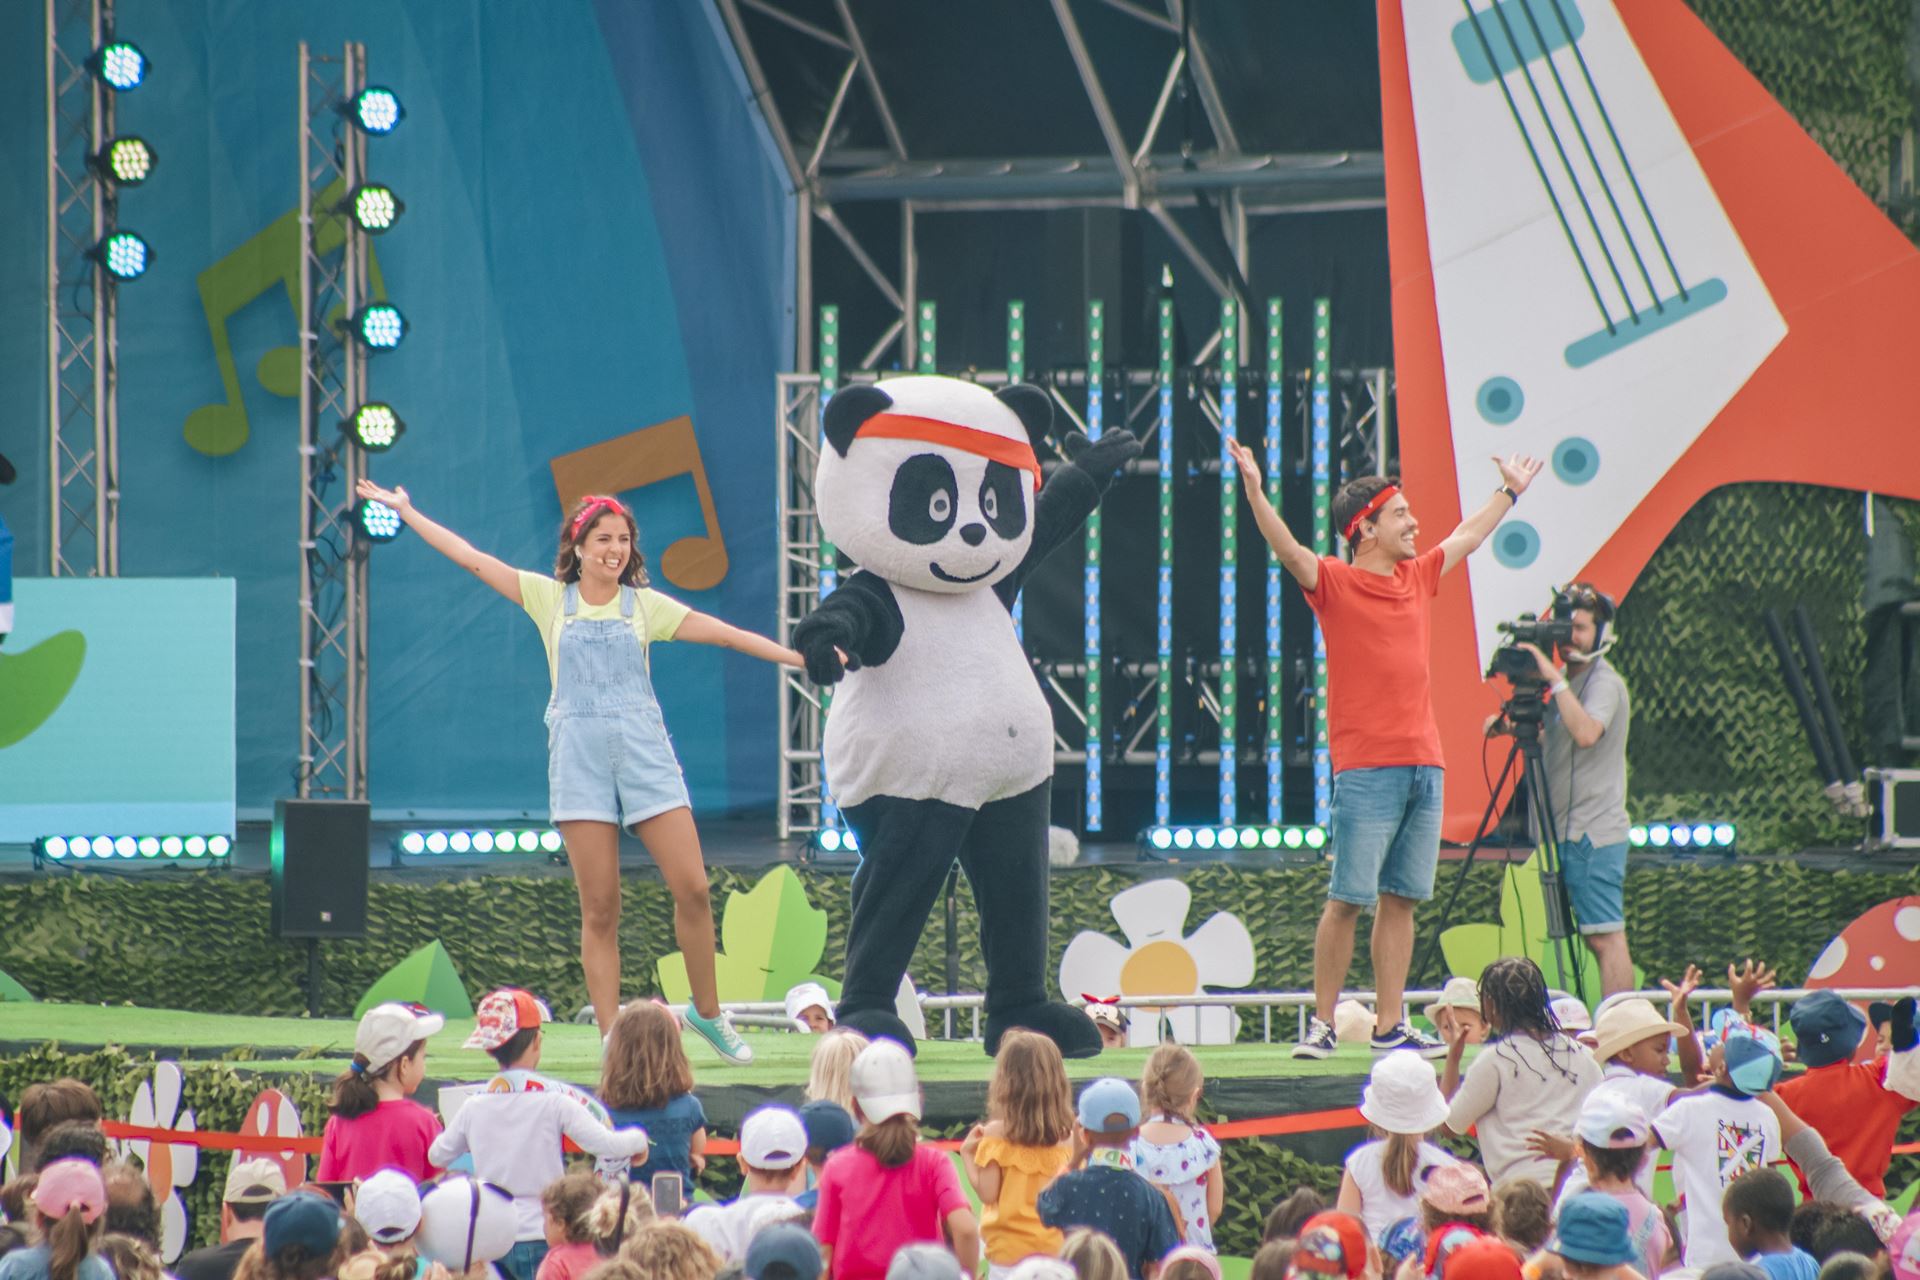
{"type": "Point", "coordinates": [655, 617]}
{"type": "Point", "coordinates": [1011, 1226]}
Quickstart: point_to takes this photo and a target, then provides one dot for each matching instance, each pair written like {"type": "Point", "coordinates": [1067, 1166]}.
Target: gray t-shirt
{"type": "Point", "coordinates": [1515, 1085]}
{"type": "Point", "coordinates": [1588, 785]}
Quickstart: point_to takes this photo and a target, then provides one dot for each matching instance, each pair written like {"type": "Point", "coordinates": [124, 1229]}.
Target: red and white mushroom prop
{"type": "Point", "coordinates": [1879, 949]}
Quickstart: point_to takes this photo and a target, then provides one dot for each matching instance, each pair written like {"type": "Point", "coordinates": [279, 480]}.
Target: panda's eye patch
{"type": "Point", "coordinates": [1002, 500]}
{"type": "Point", "coordinates": [922, 505]}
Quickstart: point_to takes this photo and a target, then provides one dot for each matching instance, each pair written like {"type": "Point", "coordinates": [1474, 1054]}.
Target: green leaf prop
{"type": "Point", "coordinates": [426, 977]}
{"type": "Point", "coordinates": [1522, 931]}
{"type": "Point", "coordinates": [33, 684]}
{"type": "Point", "coordinates": [771, 939]}
{"type": "Point", "coordinates": [13, 992]}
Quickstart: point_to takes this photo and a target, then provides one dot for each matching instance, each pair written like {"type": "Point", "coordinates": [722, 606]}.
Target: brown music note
{"type": "Point", "coordinates": [269, 259]}
{"type": "Point", "coordinates": [640, 458]}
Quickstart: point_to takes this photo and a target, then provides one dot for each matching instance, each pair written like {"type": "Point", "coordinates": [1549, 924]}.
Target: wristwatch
{"type": "Point", "coordinates": [1512, 497]}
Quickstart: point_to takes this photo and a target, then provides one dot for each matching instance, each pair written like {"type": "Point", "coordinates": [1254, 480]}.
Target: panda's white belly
{"type": "Point", "coordinates": [955, 714]}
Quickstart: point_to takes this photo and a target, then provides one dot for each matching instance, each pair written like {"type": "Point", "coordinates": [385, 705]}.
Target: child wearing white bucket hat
{"type": "Point", "coordinates": [1403, 1104]}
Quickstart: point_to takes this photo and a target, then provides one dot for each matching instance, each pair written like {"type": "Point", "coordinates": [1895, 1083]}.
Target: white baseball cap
{"type": "Point", "coordinates": [388, 1206]}
{"type": "Point", "coordinates": [388, 1030]}
{"type": "Point", "coordinates": [804, 997]}
{"type": "Point", "coordinates": [883, 1082]}
{"type": "Point", "coordinates": [463, 1221]}
{"type": "Point", "coordinates": [773, 1138]}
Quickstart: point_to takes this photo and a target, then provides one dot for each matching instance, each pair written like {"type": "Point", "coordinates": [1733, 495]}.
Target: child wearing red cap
{"type": "Point", "coordinates": [1333, 1244]}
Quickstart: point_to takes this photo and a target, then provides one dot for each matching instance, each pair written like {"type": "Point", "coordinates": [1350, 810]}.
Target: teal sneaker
{"type": "Point", "coordinates": [719, 1034]}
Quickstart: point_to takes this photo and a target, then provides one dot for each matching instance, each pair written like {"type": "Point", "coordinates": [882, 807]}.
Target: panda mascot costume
{"type": "Point", "coordinates": [940, 744]}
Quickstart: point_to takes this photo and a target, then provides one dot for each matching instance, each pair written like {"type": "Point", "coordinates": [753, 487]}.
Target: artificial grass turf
{"type": "Point", "coordinates": [570, 1051]}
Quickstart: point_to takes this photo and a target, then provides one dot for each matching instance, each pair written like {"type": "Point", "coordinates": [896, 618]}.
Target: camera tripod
{"type": "Point", "coordinates": [1525, 712]}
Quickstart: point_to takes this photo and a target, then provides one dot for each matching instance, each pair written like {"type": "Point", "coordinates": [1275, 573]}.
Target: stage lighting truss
{"type": "Point", "coordinates": [373, 207]}
{"type": "Point", "coordinates": [124, 255]}
{"type": "Point", "coordinates": [128, 161]}
{"type": "Point", "coordinates": [379, 326]}
{"type": "Point", "coordinates": [109, 850]}
{"type": "Point", "coordinates": [480, 840]}
{"type": "Point", "coordinates": [376, 110]}
{"type": "Point", "coordinates": [120, 65]}
{"type": "Point", "coordinates": [1711, 836]}
{"type": "Point", "coordinates": [1266, 838]}
{"type": "Point", "coordinates": [374, 426]}
{"type": "Point", "coordinates": [376, 521]}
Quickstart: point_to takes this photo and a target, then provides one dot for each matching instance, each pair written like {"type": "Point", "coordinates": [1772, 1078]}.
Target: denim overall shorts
{"type": "Point", "coordinates": [608, 755]}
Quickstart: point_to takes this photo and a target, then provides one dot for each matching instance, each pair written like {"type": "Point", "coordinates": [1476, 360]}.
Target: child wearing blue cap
{"type": "Point", "coordinates": [1104, 1192]}
{"type": "Point", "coordinates": [1592, 1238]}
{"type": "Point", "coordinates": [1855, 1106]}
{"type": "Point", "coordinates": [1721, 1133]}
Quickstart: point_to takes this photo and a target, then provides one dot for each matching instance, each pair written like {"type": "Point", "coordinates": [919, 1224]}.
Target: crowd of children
{"type": "Point", "coordinates": [1121, 1182]}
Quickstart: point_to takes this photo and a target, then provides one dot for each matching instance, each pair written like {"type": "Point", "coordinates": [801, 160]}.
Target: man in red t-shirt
{"type": "Point", "coordinates": [1376, 615]}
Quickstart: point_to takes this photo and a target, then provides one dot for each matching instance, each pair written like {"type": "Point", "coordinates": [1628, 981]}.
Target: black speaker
{"type": "Point", "coordinates": [319, 868]}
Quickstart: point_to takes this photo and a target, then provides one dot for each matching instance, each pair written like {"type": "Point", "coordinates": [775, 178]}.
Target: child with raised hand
{"type": "Point", "coordinates": [1175, 1153]}
{"type": "Point", "coordinates": [1720, 1133]}
{"type": "Point", "coordinates": [1529, 1077]}
{"type": "Point", "coordinates": [1024, 1144]}
{"type": "Point", "coordinates": [1402, 1104]}
{"type": "Point", "coordinates": [1856, 1107]}
{"type": "Point", "coordinates": [69, 1205]}
{"type": "Point", "coordinates": [646, 1080]}
{"type": "Point", "coordinates": [375, 1123]}
{"type": "Point", "coordinates": [887, 1189]}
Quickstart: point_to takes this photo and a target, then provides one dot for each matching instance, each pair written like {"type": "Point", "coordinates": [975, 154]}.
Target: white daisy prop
{"type": "Point", "coordinates": [1157, 960]}
{"type": "Point", "coordinates": [170, 1166]}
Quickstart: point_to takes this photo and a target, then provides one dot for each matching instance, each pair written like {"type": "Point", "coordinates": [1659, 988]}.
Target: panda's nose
{"type": "Point", "coordinates": [973, 534]}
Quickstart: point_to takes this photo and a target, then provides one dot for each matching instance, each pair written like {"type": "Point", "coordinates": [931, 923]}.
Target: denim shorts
{"type": "Point", "coordinates": [522, 1262]}
{"type": "Point", "coordinates": [1386, 832]}
{"type": "Point", "coordinates": [1596, 879]}
{"type": "Point", "coordinates": [613, 767]}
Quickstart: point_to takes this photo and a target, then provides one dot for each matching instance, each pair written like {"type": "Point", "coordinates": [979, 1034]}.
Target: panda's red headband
{"type": "Point", "coordinates": [1017, 454]}
{"type": "Point", "coordinates": [1378, 501]}
{"type": "Point", "coordinates": [595, 508]}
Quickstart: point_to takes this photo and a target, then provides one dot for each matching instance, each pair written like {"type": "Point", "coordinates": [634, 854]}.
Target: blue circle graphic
{"type": "Point", "coordinates": [1500, 400]}
{"type": "Point", "coordinates": [1516, 544]}
{"type": "Point", "coordinates": [1576, 460]}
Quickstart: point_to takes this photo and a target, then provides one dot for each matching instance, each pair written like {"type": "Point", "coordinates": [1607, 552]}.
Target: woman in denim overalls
{"type": "Point", "coordinates": [610, 763]}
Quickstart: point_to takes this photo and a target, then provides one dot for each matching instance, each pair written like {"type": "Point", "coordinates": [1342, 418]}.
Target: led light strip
{"type": "Point", "coordinates": [498, 840]}
{"type": "Point", "coordinates": [1163, 608]}
{"type": "Point", "coordinates": [1017, 372]}
{"type": "Point", "coordinates": [1229, 561]}
{"type": "Point", "coordinates": [1096, 377]}
{"type": "Point", "coordinates": [1276, 708]}
{"type": "Point", "coordinates": [99, 849]}
{"type": "Point", "coordinates": [1269, 836]}
{"type": "Point", "coordinates": [1322, 545]}
{"type": "Point", "coordinates": [1683, 835]}
{"type": "Point", "coordinates": [829, 573]}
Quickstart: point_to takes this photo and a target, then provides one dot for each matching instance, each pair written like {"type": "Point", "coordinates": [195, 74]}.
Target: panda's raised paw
{"type": "Point", "coordinates": [1102, 458]}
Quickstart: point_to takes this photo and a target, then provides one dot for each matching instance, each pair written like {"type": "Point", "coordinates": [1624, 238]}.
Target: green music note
{"type": "Point", "coordinates": [268, 259]}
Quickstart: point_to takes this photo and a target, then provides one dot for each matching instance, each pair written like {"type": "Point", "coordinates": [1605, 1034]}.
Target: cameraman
{"type": "Point", "coordinates": [1584, 749]}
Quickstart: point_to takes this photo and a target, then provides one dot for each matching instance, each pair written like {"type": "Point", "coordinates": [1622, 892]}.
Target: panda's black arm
{"type": "Point", "coordinates": [860, 618]}
{"type": "Point", "coordinates": [1063, 504]}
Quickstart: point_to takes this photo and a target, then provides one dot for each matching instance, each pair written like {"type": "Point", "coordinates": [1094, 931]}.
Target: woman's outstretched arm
{"type": "Point", "coordinates": [701, 628]}
{"type": "Point", "coordinates": [502, 577]}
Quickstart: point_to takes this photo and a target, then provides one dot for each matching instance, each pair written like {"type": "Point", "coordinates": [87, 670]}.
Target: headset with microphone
{"type": "Point", "coordinates": [1584, 595]}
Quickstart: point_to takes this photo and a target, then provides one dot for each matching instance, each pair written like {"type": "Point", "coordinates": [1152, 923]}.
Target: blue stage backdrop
{"type": "Point", "coordinates": [597, 240]}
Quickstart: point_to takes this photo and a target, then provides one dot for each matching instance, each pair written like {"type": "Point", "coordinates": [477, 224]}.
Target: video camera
{"type": "Point", "coordinates": [1518, 667]}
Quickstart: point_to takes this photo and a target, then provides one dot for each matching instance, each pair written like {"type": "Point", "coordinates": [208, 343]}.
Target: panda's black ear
{"type": "Point", "coordinates": [1032, 406]}
{"type": "Point", "coordinates": [850, 407]}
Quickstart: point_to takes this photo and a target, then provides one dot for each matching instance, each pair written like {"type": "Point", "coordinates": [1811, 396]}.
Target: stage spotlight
{"type": "Point", "coordinates": [171, 846]}
{"type": "Point", "coordinates": [150, 846]}
{"type": "Point", "coordinates": [1702, 835]}
{"type": "Point", "coordinates": [126, 846]}
{"type": "Point", "coordinates": [483, 842]}
{"type": "Point", "coordinates": [54, 847]}
{"type": "Point", "coordinates": [436, 842]}
{"type": "Point", "coordinates": [460, 842]}
{"type": "Point", "coordinates": [1203, 838]}
{"type": "Point", "coordinates": [125, 255]}
{"type": "Point", "coordinates": [379, 326]}
{"type": "Point", "coordinates": [101, 846]}
{"type": "Point", "coordinates": [413, 842]}
{"type": "Point", "coordinates": [1316, 837]}
{"type": "Point", "coordinates": [196, 846]}
{"type": "Point", "coordinates": [374, 426]}
{"type": "Point", "coordinates": [1182, 838]}
{"type": "Point", "coordinates": [552, 842]}
{"type": "Point", "coordinates": [376, 110]}
{"type": "Point", "coordinates": [1160, 838]}
{"type": "Point", "coordinates": [1249, 838]}
{"type": "Point", "coordinates": [1270, 837]}
{"type": "Point", "coordinates": [376, 521]}
{"type": "Point", "coordinates": [1723, 834]}
{"type": "Point", "coordinates": [128, 160]}
{"type": "Point", "coordinates": [120, 65]}
{"type": "Point", "coordinates": [1658, 834]}
{"type": "Point", "coordinates": [1637, 837]}
{"type": "Point", "coordinates": [1228, 838]}
{"type": "Point", "coordinates": [374, 207]}
{"type": "Point", "coordinates": [529, 842]}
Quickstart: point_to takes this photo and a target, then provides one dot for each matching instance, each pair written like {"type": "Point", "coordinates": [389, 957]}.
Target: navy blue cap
{"type": "Point", "coordinates": [783, 1251]}
{"type": "Point", "coordinates": [303, 1218]}
{"type": "Point", "coordinates": [827, 1123]}
{"type": "Point", "coordinates": [1827, 1027]}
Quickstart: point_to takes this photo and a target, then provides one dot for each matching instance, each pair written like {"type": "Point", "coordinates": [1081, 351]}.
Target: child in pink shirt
{"type": "Point", "coordinates": [375, 1124]}
{"type": "Point", "coordinates": [885, 1190]}
{"type": "Point", "coordinates": [570, 1248]}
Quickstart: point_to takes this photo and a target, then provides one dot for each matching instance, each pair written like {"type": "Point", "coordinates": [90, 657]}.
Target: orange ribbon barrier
{"type": "Point", "coordinates": [210, 1140]}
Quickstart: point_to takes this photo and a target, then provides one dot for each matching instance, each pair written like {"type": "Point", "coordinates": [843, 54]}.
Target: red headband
{"type": "Point", "coordinates": [905, 426]}
{"type": "Point", "coordinates": [1379, 500]}
{"type": "Point", "coordinates": [589, 513]}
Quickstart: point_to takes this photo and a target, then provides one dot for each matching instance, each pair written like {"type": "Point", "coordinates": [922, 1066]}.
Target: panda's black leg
{"type": "Point", "coordinates": [1005, 856]}
{"type": "Point", "coordinates": [906, 847]}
